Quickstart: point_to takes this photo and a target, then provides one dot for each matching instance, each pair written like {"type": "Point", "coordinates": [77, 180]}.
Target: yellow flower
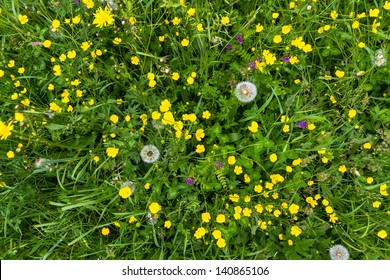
{"type": "Point", "coordinates": [311, 126]}
{"type": "Point", "coordinates": [200, 149]}
{"type": "Point", "coordinates": [167, 224]}
{"type": "Point", "coordinates": [200, 232]}
{"type": "Point", "coordinates": [154, 208]}
{"type": "Point", "coordinates": [351, 113]}
{"type": "Point", "coordinates": [275, 15]}
{"type": "Point", "coordinates": [19, 117]}
{"type": "Point", "coordinates": [382, 234]}
{"type": "Point", "coordinates": [23, 19]}
{"type": "Point", "coordinates": [307, 48]}
{"type": "Point", "coordinates": [117, 41]}
{"type": "Point", "coordinates": [5, 130]}
{"type": "Point", "coordinates": [185, 42]}
{"type": "Point", "coordinates": [286, 128]}
{"type": "Point", "coordinates": [156, 115]}
{"type": "Point", "coordinates": [199, 134]}
{"type": "Point", "coordinates": [325, 160]}
{"type": "Point", "coordinates": [132, 20]}
{"type": "Point", "coordinates": [313, 203]}
{"type": "Point", "coordinates": [200, 27]}
{"type": "Point", "coordinates": [10, 154]}
{"type": "Point", "coordinates": [289, 169]}
{"type": "Point", "coordinates": [71, 54]}
{"type": "Point", "coordinates": [290, 242]}
{"type": "Point", "coordinates": [238, 170]}
{"type": "Point", "coordinates": [152, 83]}
{"type": "Point", "coordinates": [386, 5]}
{"type": "Point", "coordinates": [161, 38]}
{"type": "Point", "coordinates": [369, 180]}
{"type": "Point", "coordinates": [190, 80]}
{"type": "Point", "coordinates": [374, 12]}
{"type": "Point", "coordinates": [165, 105]}
{"type": "Point", "coordinates": [333, 218]}
{"type": "Point", "coordinates": [375, 26]}
{"type": "Point", "coordinates": [286, 29]}
{"type": "Point", "coordinates": [342, 168]}
{"type": "Point", "coordinates": [55, 24]}
{"type": "Point", "coordinates": [297, 162]}
{"type": "Point", "coordinates": [329, 209]}
{"type": "Point", "coordinates": [361, 45]}
{"type": "Point", "coordinates": [295, 230]}
{"type": "Point", "coordinates": [114, 118]}
{"type": "Point", "coordinates": [191, 11]}
{"type": "Point", "coordinates": [134, 60]}
{"type": "Point", "coordinates": [277, 39]}
{"type": "Point", "coordinates": [85, 46]}
{"type": "Point", "coordinates": [221, 243]}
{"type": "Point", "coordinates": [11, 63]}
{"type": "Point", "coordinates": [103, 17]}
{"type": "Point", "coordinates": [125, 192]}
{"type": "Point", "coordinates": [291, 5]}
{"type": "Point", "coordinates": [217, 234]}
{"type": "Point", "coordinates": [76, 20]}
{"type": "Point", "coordinates": [176, 21]}
{"type": "Point", "coordinates": [206, 217]}
{"type": "Point", "coordinates": [175, 76]}
{"type": "Point", "coordinates": [259, 28]}
{"type": "Point", "coordinates": [168, 118]}
{"type": "Point", "coordinates": [220, 218]}
{"type": "Point", "coordinates": [112, 152]}
{"type": "Point", "coordinates": [334, 14]}
{"type": "Point", "coordinates": [376, 204]}
{"type": "Point", "coordinates": [254, 127]}
{"type": "Point", "coordinates": [105, 231]}
{"type": "Point", "coordinates": [273, 157]}
{"type": "Point", "coordinates": [367, 145]}
{"type": "Point", "coordinates": [225, 20]}
{"type": "Point", "coordinates": [339, 73]}
{"type": "Point", "coordinates": [355, 24]}
{"type": "Point", "coordinates": [293, 208]}
{"type": "Point", "coordinates": [231, 160]}
{"type": "Point", "coordinates": [206, 115]}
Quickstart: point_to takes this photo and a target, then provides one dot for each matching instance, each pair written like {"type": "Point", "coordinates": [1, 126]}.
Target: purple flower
{"type": "Point", "coordinates": [218, 164]}
{"type": "Point", "coordinates": [228, 47]}
{"type": "Point", "coordinates": [286, 58]}
{"type": "Point", "coordinates": [301, 124]}
{"type": "Point", "coordinates": [77, 1]}
{"type": "Point", "coordinates": [190, 181]}
{"type": "Point", "coordinates": [239, 38]}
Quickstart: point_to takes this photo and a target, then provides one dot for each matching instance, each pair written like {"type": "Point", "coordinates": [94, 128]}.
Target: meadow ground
{"type": "Point", "coordinates": [172, 129]}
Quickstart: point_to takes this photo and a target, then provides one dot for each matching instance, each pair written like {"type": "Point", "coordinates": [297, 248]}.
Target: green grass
{"type": "Point", "coordinates": [60, 189]}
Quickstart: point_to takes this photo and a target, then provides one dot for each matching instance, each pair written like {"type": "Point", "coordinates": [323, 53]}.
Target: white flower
{"type": "Point", "coordinates": [379, 59]}
{"type": "Point", "coordinates": [338, 252]}
{"type": "Point", "coordinates": [149, 153]}
{"type": "Point", "coordinates": [245, 91]}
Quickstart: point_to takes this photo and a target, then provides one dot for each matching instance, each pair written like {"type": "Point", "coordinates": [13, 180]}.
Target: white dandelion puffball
{"type": "Point", "coordinates": [149, 153]}
{"type": "Point", "coordinates": [338, 252]}
{"type": "Point", "coordinates": [379, 59]}
{"type": "Point", "coordinates": [245, 91]}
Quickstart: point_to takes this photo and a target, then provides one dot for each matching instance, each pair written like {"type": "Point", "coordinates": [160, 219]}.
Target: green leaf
{"type": "Point", "coordinates": [55, 126]}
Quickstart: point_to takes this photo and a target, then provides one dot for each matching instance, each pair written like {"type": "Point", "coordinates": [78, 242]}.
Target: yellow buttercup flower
{"type": "Point", "coordinates": [103, 17]}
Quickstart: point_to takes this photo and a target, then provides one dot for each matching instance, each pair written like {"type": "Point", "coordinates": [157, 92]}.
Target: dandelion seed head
{"type": "Point", "coordinates": [149, 154]}
{"type": "Point", "coordinates": [246, 91]}
{"type": "Point", "coordinates": [379, 59]}
{"type": "Point", "coordinates": [338, 252]}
